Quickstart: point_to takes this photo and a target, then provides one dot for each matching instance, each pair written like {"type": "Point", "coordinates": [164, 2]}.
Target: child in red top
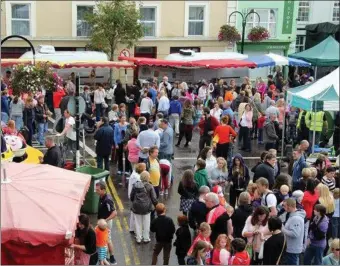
{"type": "Point", "coordinates": [260, 124]}
{"type": "Point", "coordinates": [203, 235]}
{"type": "Point", "coordinates": [102, 239]}
{"type": "Point", "coordinates": [240, 255]}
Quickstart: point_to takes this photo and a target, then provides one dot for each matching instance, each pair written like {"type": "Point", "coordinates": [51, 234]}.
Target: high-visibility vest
{"type": "Point", "coordinates": [315, 121]}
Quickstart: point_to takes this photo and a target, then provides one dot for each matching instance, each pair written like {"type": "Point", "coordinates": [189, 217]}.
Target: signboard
{"type": "Point", "coordinates": [173, 74]}
{"type": "Point", "coordinates": [288, 17]}
{"type": "Point", "coordinates": [71, 105]}
{"type": "Point", "coordinates": [125, 52]}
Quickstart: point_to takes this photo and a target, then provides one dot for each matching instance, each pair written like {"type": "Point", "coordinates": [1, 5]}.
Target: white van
{"type": "Point", "coordinates": [48, 53]}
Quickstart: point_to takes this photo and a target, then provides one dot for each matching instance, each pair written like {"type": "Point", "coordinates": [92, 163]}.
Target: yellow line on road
{"type": "Point", "coordinates": [134, 251]}
{"type": "Point", "coordinates": [125, 248]}
{"type": "Point", "coordinates": [115, 194]}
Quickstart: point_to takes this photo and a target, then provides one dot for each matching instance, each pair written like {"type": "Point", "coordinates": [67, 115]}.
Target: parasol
{"type": "Point", "coordinates": [40, 203]}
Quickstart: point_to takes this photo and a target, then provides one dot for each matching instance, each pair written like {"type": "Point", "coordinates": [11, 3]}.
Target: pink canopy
{"type": "Point", "coordinates": [40, 204]}
{"type": "Point", "coordinates": [210, 64]}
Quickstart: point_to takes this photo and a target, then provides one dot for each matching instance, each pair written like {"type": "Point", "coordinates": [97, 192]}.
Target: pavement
{"type": "Point", "coordinates": [127, 251]}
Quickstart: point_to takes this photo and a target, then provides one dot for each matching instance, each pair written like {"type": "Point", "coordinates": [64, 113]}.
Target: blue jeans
{"type": "Point", "coordinates": [260, 136]}
{"type": "Point", "coordinates": [98, 111]}
{"type": "Point", "coordinates": [291, 259]}
{"type": "Point", "coordinates": [313, 254]}
{"type": "Point", "coordinates": [4, 117]}
{"type": "Point", "coordinates": [42, 128]}
{"type": "Point", "coordinates": [100, 160]}
{"type": "Point", "coordinates": [335, 227]}
{"type": "Point", "coordinates": [18, 121]}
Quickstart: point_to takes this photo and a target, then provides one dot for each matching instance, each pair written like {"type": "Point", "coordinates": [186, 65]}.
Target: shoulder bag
{"type": "Point", "coordinates": [283, 248]}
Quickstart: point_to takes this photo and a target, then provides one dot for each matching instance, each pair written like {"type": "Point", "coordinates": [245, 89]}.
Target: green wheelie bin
{"type": "Point", "coordinates": [90, 205]}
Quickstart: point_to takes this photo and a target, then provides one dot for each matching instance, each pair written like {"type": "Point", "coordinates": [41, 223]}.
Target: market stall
{"type": "Point", "coordinates": [40, 205]}
{"type": "Point", "coordinates": [322, 95]}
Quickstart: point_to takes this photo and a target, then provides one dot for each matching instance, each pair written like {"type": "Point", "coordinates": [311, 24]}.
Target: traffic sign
{"type": "Point", "coordinates": [71, 105]}
{"type": "Point", "coordinates": [125, 53]}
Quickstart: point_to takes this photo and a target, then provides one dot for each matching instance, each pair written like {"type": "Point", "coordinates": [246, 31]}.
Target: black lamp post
{"type": "Point", "coordinates": [244, 23]}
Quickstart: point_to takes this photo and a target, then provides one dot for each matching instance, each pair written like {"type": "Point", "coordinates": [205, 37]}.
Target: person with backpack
{"type": "Point", "coordinates": [268, 198]}
{"type": "Point", "coordinates": [153, 167]}
{"type": "Point", "coordinates": [143, 198]}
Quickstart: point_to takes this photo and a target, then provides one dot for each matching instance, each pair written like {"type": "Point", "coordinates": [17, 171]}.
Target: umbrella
{"type": "Point", "coordinates": [40, 203]}
{"type": "Point", "coordinates": [276, 60]}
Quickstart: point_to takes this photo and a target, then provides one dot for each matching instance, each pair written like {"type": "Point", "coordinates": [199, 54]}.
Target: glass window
{"type": "Point", "coordinates": [268, 18]}
{"type": "Point", "coordinates": [336, 11]}
{"type": "Point", "coordinates": [21, 19]}
{"type": "Point", "coordinates": [303, 13]}
{"type": "Point", "coordinates": [300, 43]}
{"type": "Point", "coordinates": [148, 20]}
{"type": "Point", "coordinates": [83, 27]}
{"type": "Point", "coordinates": [196, 21]}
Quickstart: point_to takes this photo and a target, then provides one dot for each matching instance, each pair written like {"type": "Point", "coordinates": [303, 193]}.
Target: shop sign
{"type": "Point", "coordinates": [276, 47]}
{"type": "Point", "coordinates": [288, 17]}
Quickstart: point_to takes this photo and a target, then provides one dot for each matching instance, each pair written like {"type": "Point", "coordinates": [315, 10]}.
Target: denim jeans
{"type": "Point", "coordinates": [99, 111]}
{"type": "Point", "coordinates": [291, 259]}
{"type": "Point", "coordinates": [335, 227]}
{"type": "Point", "coordinates": [18, 121]}
{"type": "Point", "coordinates": [260, 136]}
{"type": "Point", "coordinates": [313, 254]}
{"type": "Point", "coordinates": [42, 128]}
{"type": "Point", "coordinates": [4, 117]}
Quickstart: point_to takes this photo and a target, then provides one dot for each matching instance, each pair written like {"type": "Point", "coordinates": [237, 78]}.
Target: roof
{"type": "Point", "coordinates": [325, 53]}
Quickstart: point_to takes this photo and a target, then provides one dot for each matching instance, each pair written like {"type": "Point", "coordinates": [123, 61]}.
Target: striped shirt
{"type": "Point", "coordinates": [328, 182]}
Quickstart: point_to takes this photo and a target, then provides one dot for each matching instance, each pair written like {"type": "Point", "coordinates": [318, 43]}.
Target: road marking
{"type": "Point", "coordinates": [134, 250]}
{"type": "Point", "coordinates": [115, 194]}
{"type": "Point", "coordinates": [195, 158]}
{"type": "Point", "coordinates": [125, 248]}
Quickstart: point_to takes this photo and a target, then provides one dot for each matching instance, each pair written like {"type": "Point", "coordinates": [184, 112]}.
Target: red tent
{"type": "Point", "coordinates": [40, 205]}
{"type": "Point", "coordinates": [210, 64]}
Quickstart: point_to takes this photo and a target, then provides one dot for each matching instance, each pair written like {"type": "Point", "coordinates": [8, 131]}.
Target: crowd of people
{"type": "Point", "coordinates": [230, 214]}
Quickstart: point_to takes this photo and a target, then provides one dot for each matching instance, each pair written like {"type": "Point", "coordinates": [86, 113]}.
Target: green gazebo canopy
{"type": "Point", "coordinates": [325, 53]}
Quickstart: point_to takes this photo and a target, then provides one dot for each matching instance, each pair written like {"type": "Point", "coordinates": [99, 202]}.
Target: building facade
{"type": "Point", "coordinates": [169, 25]}
{"type": "Point", "coordinates": [312, 12]}
{"type": "Point", "coordinates": [279, 17]}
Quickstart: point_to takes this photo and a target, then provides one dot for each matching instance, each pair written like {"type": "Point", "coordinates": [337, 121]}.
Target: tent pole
{"type": "Point", "coordinates": [315, 72]}
{"type": "Point", "coordinates": [313, 142]}
{"type": "Point", "coordinates": [283, 128]}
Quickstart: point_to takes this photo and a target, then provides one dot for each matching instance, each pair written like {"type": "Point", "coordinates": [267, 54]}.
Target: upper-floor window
{"type": "Point", "coordinates": [21, 19]}
{"type": "Point", "coordinates": [148, 20]}
{"type": "Point", "coordinates": [303, 12]}
{"type": "Point", "coordinates": [83, 27]}
{"type": "Point", "coordinates": [268, 18]}
{"type": "Point", "coordinates": [300, 43]}
{"type": "Point", "coordinates": [336, 11]}
{"type": "Point", "coordinates": [196, 20]}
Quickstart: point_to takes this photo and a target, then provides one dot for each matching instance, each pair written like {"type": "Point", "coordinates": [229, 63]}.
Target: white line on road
{"type": "Point", "coordinates": [87, 149]}
{"type": "Point", "coordinates": [195, 158]}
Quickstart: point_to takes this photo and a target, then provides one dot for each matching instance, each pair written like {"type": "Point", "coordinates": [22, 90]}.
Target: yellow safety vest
{"type": "Point", "coordinates": [315, 121]}
{"type": "Point", "coordinates": [299, 119]}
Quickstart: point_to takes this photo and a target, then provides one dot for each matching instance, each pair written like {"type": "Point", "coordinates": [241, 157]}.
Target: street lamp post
{"type": "Point", "coordinates": [244, 23]}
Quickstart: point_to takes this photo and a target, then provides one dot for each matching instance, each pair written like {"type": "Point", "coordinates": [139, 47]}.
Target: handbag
{"type": "Point", "coordinates": [283, 248]}
{"type": "Point", "coordinates": [104, 105]}
{"type": "Point", "coordinates": [137, 110]}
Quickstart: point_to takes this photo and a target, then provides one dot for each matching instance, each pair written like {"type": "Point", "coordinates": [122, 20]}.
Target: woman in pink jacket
{"type": "Point", "coordinates": [261, 87]}
{"type": "Point", "coordinates": [133, 150]}
{"type": "Point", "coordinates": [246, 125]}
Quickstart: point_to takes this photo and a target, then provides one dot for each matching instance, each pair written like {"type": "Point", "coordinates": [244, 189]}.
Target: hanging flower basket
{"type": "Point", "coordinates": [31, 78]}
{"type": "Point", "coordinates": [258, 34]}
{"type": "Point", "coordinates": [229, 34]}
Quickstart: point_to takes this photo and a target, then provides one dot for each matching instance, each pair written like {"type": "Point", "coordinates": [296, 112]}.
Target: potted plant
{"type": "Point", "coordinates": [229, 33]}
{"type": "Point", "coordinates": [258, 34]}
{"type": "Point", "coordinates": [31, 78]}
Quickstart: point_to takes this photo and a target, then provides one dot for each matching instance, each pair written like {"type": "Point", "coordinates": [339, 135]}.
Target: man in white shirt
{"type": "Point", "coordinates": [69, 132]}
{"type": "Point", "coordinates": [99, 100]}
{"type": "Point", "coordinates": [165, 84]}
{"type": "Point", "coordinates": [146, 106]}
{"type": "Point", "coordinates": [163, 104]}
{"type": "Point", "coordinates": [268, 198]}
{"type": "Point", "coordinates": [109, 96]}
{"type": "Point", "coordinates": [272, 109]}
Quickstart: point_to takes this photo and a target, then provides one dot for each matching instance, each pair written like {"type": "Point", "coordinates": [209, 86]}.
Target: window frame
{"type": "Point", "coordinates": [75, 5]}
{"type": "Point", "coordinates": [333, 9]}
{"type": "Point", "coordinates": [157, 6]}
{"type": "Point", "coordinates": [206, 17]}
{"type": "Point", "coordinates": [32, 16]}
{"type": "Point", "coordinates": [154, 22]}
{"type": "Point", "coordinates": [256, 23]}
{"type": "Point", "coordinates": [309, 11]}
{"type": "Point", "coordinates": [303, 45]}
